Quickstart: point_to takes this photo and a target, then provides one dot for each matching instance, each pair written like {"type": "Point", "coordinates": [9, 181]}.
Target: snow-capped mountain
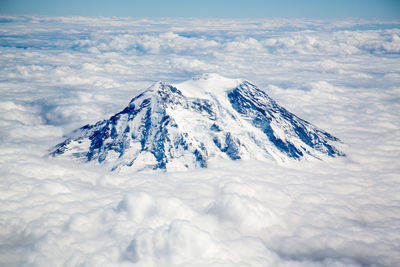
{"type": "Point", "coordinates": [178, 126]}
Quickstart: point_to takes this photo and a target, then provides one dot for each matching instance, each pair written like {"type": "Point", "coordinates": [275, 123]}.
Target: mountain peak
{"type": "Point", "coordinates": [207, 83]}
{"type": "Point", "coordinates": [210, 76]}
{"type": "Point", "coordinates": [184, 125]}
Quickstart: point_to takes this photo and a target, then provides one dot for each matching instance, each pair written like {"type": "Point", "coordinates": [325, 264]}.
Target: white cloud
{"type": "Point", "coordinates": [189, 65]}
{"type": "Point", "coordinates": [59, 73]}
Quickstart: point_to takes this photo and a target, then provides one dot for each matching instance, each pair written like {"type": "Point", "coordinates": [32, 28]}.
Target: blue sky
{"type": "Point", "coordinates": [368, 9]}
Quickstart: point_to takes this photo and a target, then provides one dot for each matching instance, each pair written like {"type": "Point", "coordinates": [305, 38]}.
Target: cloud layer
{"type": "Point", "coordinates": [59, 73]}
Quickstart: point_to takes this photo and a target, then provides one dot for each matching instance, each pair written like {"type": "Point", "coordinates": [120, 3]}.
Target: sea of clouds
{"type": "Point", "coordinates": [60, 73]}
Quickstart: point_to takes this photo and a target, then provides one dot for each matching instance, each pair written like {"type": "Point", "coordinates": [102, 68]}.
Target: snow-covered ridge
{"type": "Point", "coordinates": [184, 125]}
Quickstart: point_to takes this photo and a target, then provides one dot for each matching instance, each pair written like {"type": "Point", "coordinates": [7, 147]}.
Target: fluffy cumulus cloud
{"type": "Point", "coordinates": [59, 73]}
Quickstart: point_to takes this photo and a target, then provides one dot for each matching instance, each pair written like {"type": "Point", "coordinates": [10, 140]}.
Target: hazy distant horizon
{"type": "Point", "coordinates": [310, 9]}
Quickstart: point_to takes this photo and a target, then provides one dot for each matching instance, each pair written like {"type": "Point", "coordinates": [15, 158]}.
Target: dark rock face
{"type": "Point", "coordinates": [162, 128]}
{"type": "Point", "coordinates": [262, 110]}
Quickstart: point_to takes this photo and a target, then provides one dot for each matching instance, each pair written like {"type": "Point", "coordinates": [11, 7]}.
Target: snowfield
{"type": "Point", "coordinates": [60, 73]}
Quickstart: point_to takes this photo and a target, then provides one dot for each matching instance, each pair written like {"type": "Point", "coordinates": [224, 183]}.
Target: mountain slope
{"type": "Point", "coordinates": [184, 125]}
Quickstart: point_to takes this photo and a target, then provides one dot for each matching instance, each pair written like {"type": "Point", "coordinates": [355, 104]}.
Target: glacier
{"type": "Point", "coordinates": [184, 125]}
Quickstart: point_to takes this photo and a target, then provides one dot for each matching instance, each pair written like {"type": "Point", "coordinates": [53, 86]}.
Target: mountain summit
{"type": "Point", "coordinates": [179, 126]}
